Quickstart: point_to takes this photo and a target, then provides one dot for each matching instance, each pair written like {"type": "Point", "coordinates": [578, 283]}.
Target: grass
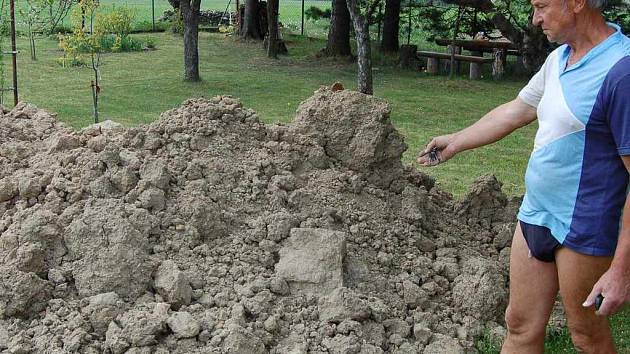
{"type": "Point", "coordinates": [559, 341]}
{"type": "Point", "coordinates": [137, 87]}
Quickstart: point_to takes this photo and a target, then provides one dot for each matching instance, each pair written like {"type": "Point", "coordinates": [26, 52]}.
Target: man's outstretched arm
{"type": "Point", "coordinates": [492, 127]}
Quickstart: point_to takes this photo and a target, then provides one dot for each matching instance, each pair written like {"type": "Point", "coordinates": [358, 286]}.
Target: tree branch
{"type": "Point", "coordinates": [373, 7]}
{"type": "Point", "coordinates": [483, 5]}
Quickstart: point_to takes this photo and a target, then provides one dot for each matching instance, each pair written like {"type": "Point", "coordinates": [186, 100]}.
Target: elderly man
{"type": "Point", "coordinates": [571, 236]}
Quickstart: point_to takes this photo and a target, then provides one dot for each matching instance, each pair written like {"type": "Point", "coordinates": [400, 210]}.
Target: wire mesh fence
{"type": "Point", "coordinates": [148, 12]}
{"type": "Point", "coordinates": [306, 17]}
{"type": "Point", "coordinates": [312, 18]}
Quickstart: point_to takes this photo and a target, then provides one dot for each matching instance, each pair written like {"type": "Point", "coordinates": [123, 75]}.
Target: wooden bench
{"type": "Point", "coordinates": [475, 62]}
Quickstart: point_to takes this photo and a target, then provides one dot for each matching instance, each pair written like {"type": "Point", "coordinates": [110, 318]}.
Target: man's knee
{"type": "Point", "coordinates": [525, 325]}
{"type": "Point", "coordinates": [588, 339]}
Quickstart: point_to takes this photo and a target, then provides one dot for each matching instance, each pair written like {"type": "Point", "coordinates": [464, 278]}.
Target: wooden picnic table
{"type": "Point", "coordinates": [477, 45]}
{"type": "Point", "coordinates": [499, 49]}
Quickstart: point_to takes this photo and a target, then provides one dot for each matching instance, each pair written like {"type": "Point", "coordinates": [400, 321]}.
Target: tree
{"type": "Point", "coordinates": [190, 14]}
{"type": "Point", "coordinates": [391, 26]}
{"type": "Point", "coordinates": [273, 38]}
{"type": "Point", "coordinates": [251, 27]}
{"type": "Point", "coordinates": [361, 22]}
{"type": "Point", "coordinates": [82, 41]}
{"type": "Point", "coordinates": [338, 43]}
{"type": "Point", "coordinates": [56, 11]}
{"type": "Point", "coordinates": [618, 11]}
{"type": "Point", "coordinates": [32, 15]}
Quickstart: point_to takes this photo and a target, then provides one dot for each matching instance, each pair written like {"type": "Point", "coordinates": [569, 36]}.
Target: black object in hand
{"type": "Point", "coordinates": [598, 301]}
{"type": "Point", "coordinates": [433, 155]}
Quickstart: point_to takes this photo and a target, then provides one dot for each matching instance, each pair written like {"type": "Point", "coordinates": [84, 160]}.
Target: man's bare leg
{"type": "Point", "coordinates": [577, 274]}
{"type": "Point", "coordinates": [533, 290]}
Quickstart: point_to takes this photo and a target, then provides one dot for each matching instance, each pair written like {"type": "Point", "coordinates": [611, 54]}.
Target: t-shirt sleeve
{"type": "Point", "coordinates": [533, 92]}
{"type": "Point", "coordinates": [619, 115]}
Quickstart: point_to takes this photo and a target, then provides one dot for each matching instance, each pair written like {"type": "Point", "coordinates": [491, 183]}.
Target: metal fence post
{"type": "Point", "coordinates": [409, 27]}
{"type": "Point", "coordinates": [302, 17]}
{"type": "Point", "coordinates": [238, 15]}
{"type": "Point", "coordinates": [380, 21]}
{"type": "Point", "coordinates": [14, 49]}
{"type": "Point", "coordinates": [153, 13]}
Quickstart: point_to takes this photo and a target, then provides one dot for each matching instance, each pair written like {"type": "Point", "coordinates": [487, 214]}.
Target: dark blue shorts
{"type": "Point", "coordinates": [542, 245]}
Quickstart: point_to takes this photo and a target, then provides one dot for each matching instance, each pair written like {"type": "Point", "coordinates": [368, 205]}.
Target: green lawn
{"type": "Point", "coordinates": [137, 87]}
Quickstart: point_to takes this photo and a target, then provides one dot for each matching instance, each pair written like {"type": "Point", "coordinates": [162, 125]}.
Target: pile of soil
{"type": "Point", "coordinates": [208, 231]}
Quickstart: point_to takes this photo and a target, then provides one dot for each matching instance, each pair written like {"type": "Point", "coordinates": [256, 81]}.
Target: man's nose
{"type": "Point", "coordinates": [536, 18]}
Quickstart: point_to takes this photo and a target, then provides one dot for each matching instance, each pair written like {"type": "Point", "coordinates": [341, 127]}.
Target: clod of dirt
{"type": "Point", "coordinates": [355, 131]}
{"type": "Point", "coordinates": [343, 304]}
{"type": "Point", "coordinates": [478, 291]}
{"type": "Point", "coordinates": [312, 260]}
{"type": "Point", "coordinates": [22, 294]}
{"type": "Point", "coordinates": [208, 231]}
{"type": "Point", "coordinates": [115, 257]}
{"type": "Point", "coordinates": [482, 202]}
{"type": "Point", "coordinates": [172, 284]}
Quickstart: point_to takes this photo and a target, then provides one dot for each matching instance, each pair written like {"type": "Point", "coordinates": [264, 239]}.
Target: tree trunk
{"type": "Point", "coordinates": [95, 84]}
{"type": "Point", "coordinates": [498, 66]}
{"type": "Point", "coordinates": [460, 12]}
{"type": "Point", "coordinates": [408, 58]}
{"type": "Point", "coordinates": [391, 26]}
{"type": "Point", "coordinates": [83, 18]}
{"type": "Point", "coordinates": [339, 32]}
{"type": "Point", "coordinates": [251, 25]}
{"type": "Point", "coordinates": [190, 15]}
{"type": "Point", "coordinates": [31, 40]}
{"type": "Point", "coordinates": [532, 42]}
{"type": "Point", "coordinates": [535, 48]}
{"type": "Point", "coordinates": [364, 52]}
{"type": "Point", "coordinates": [272, 20]}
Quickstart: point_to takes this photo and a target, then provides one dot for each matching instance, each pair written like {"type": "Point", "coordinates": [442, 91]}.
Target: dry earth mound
{"type": "Point", "coordinates": [211, 232]}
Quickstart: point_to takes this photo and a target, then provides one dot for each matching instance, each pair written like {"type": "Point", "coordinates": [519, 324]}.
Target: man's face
{"type": "Point", "coordinates": [555, 17]}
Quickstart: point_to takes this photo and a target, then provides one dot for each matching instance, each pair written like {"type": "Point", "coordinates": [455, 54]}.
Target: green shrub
{"type": "Point", "coordinates": [71, 61]}
{"type": "Point", "coordinates": [150, 43]}
{"type": "Point", "coordinates": [177, 23]}
{"type": "Point", "coordinates": [118, 21]}
{"type": "Point", "coordinates": [129, 44]}
{"type": "Point", "coordinates": [111, 34]}
{"type": "Point", "coordinates": [147, 26]}
{"type": "Point", "coordinates": [315, 13]}
{"type": "Point", "coordinates": [61, 28]}
{"type": "Point", "coordinates": [107, 43]}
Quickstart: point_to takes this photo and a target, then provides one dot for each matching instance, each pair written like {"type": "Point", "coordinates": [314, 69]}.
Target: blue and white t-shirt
{"type": "Point", "coordinates": [576, 181]}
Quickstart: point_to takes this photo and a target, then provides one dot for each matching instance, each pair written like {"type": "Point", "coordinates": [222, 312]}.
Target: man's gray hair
{"type": "Point", "coordinates": [596, 4]}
